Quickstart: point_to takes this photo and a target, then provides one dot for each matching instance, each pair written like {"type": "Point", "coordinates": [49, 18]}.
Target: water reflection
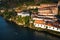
{"type": "Point", "coordinates": [10, 31]}
{"type": "Point", "coordinates": [45, 36]}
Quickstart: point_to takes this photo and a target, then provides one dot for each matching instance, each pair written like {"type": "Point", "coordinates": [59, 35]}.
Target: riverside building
{"type": "Point", "coordinates": [46, 17]}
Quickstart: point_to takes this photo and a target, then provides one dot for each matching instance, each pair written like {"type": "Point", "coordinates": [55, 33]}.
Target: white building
{"type": "Point", "coordinates": [23, 14]}
{"type": "Point", "coordinates": [41, 23]}
{"type": "Point", "coordinates": [2, 11]}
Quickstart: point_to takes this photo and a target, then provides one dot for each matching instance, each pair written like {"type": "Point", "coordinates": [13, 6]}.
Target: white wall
{"type": "Point", "coordinates": [37, 19]}
{"type": "Point", "coordinates": [22, 14]}
{"type": "Point", "coordinates": [48, 27]}
{"type": "Point", "coordinates": [39, 25]}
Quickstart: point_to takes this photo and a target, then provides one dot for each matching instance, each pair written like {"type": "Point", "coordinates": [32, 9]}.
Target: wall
{"type": "Point", "coordinates": [48, 27]}
{"type": "Point", "coordinates": [23, 15]}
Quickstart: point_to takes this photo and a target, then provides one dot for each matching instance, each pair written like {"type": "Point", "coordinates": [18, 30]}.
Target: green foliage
{"type": "Point", "coordinates": [29, 3]}
{"type": "Point", "coordinates": [34, 10]}
{"type": "Point", "coordinates": [27, 19]}
{"type": "Point", "coordinates": [8, 15]}
{"type": "Point", "coordinates": [20, 19]}
{"type": "Point", "coordinates": [47, 1]}
{"type": "Point", "coordinates": [24, 20]}
{"type": "Point", "coordinates": [15, 3]}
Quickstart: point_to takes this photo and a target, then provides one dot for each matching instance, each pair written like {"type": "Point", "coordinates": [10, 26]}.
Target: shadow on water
{"type": "Point", "coordinates": [11, 31]}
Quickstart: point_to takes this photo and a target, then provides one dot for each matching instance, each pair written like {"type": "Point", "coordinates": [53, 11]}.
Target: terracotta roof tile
{"type": "Point", "coordinates": [39, 21]}
{"type": "Point", "coordinates": [50, 25]}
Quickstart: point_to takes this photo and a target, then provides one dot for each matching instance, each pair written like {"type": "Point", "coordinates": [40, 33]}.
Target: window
{"type": "Point", "coordinates": [53, 27]}
{"type": "Point", "coordinates": [49, 27]}
{"type": "Point", "coordinates": [41, 25]}
{"type": "Point", "coordinates": [46, 27]}
{"type": "Point", "coordinates": [57, 28]}
{"type": "Point", "coordinates": [38, 25]}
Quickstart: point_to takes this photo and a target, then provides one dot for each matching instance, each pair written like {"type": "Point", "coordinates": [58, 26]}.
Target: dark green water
{"type": "Point", "coordinates": [10, 31]}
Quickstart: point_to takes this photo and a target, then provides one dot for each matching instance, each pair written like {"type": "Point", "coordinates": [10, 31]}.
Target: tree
{"type": "Point", "coordinates": [8, 15]}
{"type": "Point", "coordinates": [27, 20]}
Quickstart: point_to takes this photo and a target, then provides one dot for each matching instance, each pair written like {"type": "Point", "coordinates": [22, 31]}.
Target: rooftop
{"type": "Point", "coordinates": [48, 5]}
{"type": "Point", "coordinates": [52, 24]}
{"type": "Point", "coordinates": [39, 21]}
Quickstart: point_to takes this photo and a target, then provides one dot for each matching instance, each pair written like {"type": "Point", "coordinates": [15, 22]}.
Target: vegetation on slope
{"type": "Point", "coordinates": [15, 3]}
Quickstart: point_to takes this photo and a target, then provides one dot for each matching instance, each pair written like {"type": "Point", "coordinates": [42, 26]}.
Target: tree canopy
{"type": "Point", "coordinates": [14, 3]}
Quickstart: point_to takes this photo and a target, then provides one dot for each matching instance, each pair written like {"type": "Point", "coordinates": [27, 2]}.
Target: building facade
{"type": "Point", "coordinates": [46, 17]}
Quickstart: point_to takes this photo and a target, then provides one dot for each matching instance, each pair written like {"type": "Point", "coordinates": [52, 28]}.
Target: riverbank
{"type": "Point", "coordinates": [11, 31]}
{"type": "Point", "coordinates": [36, 29]}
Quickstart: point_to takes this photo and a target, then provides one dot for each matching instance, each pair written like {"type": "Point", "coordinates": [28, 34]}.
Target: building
{"type": "Point", "coordinates": [48, 11]}
{"type": "Point", "coordinates": [45, 18]}
{"type": "Point", "coordinates": [58, 3]}
{"type": "Point", "coordinates": [2, 11]}
{"type": "Point", "coordinates": [23, 14]}
{"type": "Point", "coordinates": [32, 7]}
{"type": "Point", "coordinates": [50, 26]}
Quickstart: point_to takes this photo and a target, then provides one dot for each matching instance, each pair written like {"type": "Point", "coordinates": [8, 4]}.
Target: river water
{"type": "Point", "coordinates": [10, 31]}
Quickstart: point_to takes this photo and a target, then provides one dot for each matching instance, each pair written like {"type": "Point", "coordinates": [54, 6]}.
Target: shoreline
{"type": "Point", "coordinates": [54, 33]}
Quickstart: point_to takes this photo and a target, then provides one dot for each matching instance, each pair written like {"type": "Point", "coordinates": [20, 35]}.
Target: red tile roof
{"type": "Point", "coordinates": [39, 21]}
{"type": "Point", "coordinates": [49, 24]}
